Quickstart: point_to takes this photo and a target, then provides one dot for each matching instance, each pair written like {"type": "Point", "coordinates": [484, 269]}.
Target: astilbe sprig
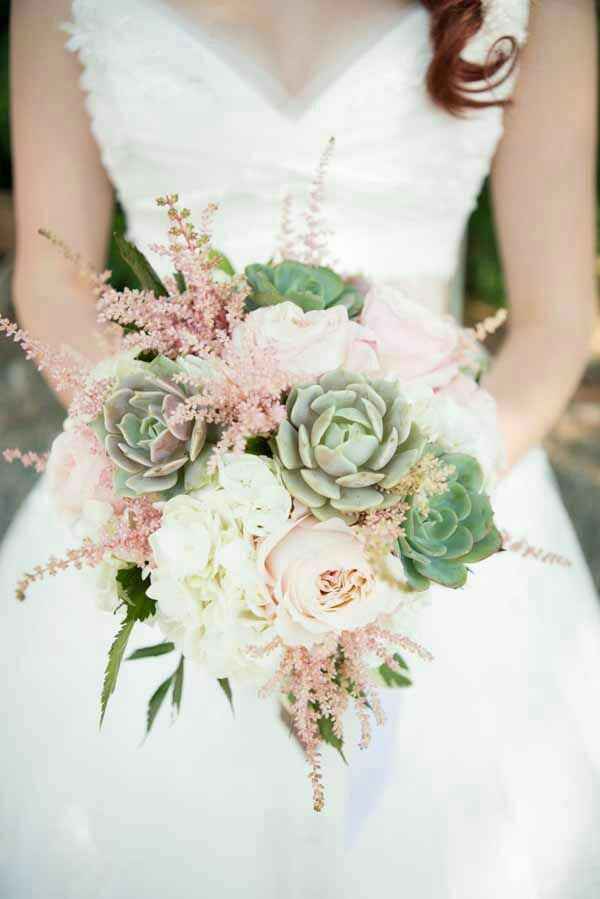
{"type": "Point", "coordinates": [315, 238]}
{"type": "Point", "coordinates": [66, 369]}
{"type": "Point", "coordinates": [27, 459]}
{"type": "Point", "coordinates": [127, 537]}
{"type": "Point", "coordinates": [242, 395]}
{"type": "Point", "coordinates": [200, 309]}
{"type": "Point", "coordinates": [322, 682]}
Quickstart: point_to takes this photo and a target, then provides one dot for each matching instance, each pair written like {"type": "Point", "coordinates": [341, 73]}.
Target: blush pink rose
{"type": "Point", "coordinates": [413, 343]}
{"type": "Point", "coordinates": [320, 581]}
{"type": "Point", "coordinates": [78, 471]}
{"type": "Point", "coordinates": [308, 344]}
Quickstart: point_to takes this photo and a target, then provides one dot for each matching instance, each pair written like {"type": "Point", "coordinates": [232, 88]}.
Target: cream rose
{"type": "Point", "coordinates": [413, 343]}
{"type": "Point", "coordinates": [320, 581]}
{"type": "Point", "coordinates": [307, 344]}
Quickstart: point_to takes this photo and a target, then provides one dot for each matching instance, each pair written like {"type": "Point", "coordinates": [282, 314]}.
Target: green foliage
{"type": "Point", "coordinates": [148, 652]}
{"type": "Point", "coordinates": [140, 266]}
{"type": "Point", "coordinates": [139, 607]}
{"type": "Point", "coordinates": [113, 665]}
{"type": "Point", "coordinates": [174, 684]}
{"type": "Point", "coordinates": [178, 685]}
{"type": "Point", "coordinates": [223, 263]}
{"type": "Point", "coordinates": [122, 276]}
{"type": "Point", "coordinates": [132, 591]}
{"type": "Point", "coordinates": [156, 701]}
{"type": "Point", "coordinates": [329, 736]}
{"type": "Point", "coordinates": [392, 678]}
{"type": "Point", "coordinates": [258, 446]}
{"type": "Point", "coordinates": [226, 688]}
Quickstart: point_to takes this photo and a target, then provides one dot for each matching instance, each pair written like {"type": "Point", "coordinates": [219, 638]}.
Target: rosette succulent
{"type": "Point", "coordinates": [309, 286]}
{"type": "Point", "coordinates": [452, 530]}
{"type": "Point", "coordinates": [141, 431]}
{"type": "Point", "coordinates": [346, 439]}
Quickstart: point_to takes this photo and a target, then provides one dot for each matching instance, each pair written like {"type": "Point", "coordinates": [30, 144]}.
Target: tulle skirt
{"type": "Point", "coordinates": [484, 783]}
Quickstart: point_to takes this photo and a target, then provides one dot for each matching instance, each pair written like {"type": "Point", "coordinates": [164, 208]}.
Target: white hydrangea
{"type": "Point", "coordinates": [256, 494]}
{"type": "Point", "coordinates": [212, 600]}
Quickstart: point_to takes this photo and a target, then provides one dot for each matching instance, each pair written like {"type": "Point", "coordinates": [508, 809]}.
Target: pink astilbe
{"type": "Point", "coordinates": [317, 232]}
{"type": "Point", "coordinates": [380, 529]}
{"type": "Point", "coordinates": [128, 539]}
{"type": "Point", "coordinates": [85, 270]}
{"type": "Point", "coordinates": [287, 247]}
{"type": "Point", "coordinates": [88, 402]}
{"type": "Point", "coordinates": [88, 553]}
{"type": "Point", "coordinates": [243, 394]}
{"type": "Point", "coordinates": [323, 681]}
{"type": "Point", "coordinates": [64, 367]}
{"type": "Point", "coordinates": [27, 459]}
{"type": "Point", "coordinates": [200, 309]}
{"type": "Point", "coordinates": [137, 522]}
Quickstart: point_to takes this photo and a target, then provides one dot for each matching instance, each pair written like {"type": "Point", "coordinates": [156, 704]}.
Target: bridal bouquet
{"type": "Point", "coordinates": [267, 468]}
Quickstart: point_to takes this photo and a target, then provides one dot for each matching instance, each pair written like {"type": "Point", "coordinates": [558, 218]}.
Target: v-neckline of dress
{"type": "Point", "coordinates": [270, 90]}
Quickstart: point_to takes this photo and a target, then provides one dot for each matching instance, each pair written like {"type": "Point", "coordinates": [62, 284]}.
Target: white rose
{"type": "Point", "coordinates": [307, 344]}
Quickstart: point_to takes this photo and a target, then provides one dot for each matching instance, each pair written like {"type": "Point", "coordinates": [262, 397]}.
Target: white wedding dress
{"type": "Point", "coordinates": [485, 782]}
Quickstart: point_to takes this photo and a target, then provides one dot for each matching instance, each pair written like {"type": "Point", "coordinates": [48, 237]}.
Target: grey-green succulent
{"type": "Point", "coordinates": [308, 286]}
{"type": "Point", "coordinates": [345, 441]}
{"type": "Point", "coordinates": [142, 433]}
{"type": "Point", "coordinates": [453, 530]}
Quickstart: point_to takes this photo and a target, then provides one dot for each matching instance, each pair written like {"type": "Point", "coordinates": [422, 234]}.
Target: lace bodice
{"type": "Point", "coordinates": [173, 113]}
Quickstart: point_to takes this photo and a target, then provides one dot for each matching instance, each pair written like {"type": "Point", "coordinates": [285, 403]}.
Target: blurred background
{"type": "Point", "coordinates": [30, 416]}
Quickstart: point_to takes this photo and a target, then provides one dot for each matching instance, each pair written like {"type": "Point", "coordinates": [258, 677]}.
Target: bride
{"type": "Point", "coordinates": [485, 783]}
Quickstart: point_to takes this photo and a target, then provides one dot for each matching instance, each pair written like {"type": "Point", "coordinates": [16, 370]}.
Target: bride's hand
{"type": "Point", "coordinates": [544, 196]}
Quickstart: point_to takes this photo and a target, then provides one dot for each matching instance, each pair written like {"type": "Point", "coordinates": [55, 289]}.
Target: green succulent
{"type": "Point", "coordinates": [308, 286]}
{"type": "Point", "coordinates": [346, 439]}
{"type": "Point", "coordinates": [141, 432]}
{"type": "Point", "coordinates": [453, 530]}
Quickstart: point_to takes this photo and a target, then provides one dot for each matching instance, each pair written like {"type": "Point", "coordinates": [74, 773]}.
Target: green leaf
{"type": "Point", "coordinates": [178, 686]}
{"type": "Point", "coordinates": [223, 264]}
{"type": "Point", "coordinates": [226, 688]}
{"type": "Point", "coordinates": [132, 591]}
{"type": "Point", "coordinates": [330, 737]}
{"type": "Point", "coordinates": [393, 678]}
{"type": "Point", "coordinates": [180, 281]}
{"type": "Point", "coordinates": [140, 266]}
{"type": "Point", "coordinates": [258, 446]}
{"type": "Point", "coordinates": [148, 652]}
{"type": "Point", "coordinates": [156, 700]}
{"type": "Point", "coordinates": [113, 665]}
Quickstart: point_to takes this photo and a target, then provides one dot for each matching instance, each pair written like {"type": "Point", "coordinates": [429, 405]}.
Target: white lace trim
{"type": "Point", "coordinates": [502, 18]}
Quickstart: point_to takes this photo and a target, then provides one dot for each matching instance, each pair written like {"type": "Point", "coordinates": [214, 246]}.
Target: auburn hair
{"type": "Point", "coordinates": [452, 82]}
